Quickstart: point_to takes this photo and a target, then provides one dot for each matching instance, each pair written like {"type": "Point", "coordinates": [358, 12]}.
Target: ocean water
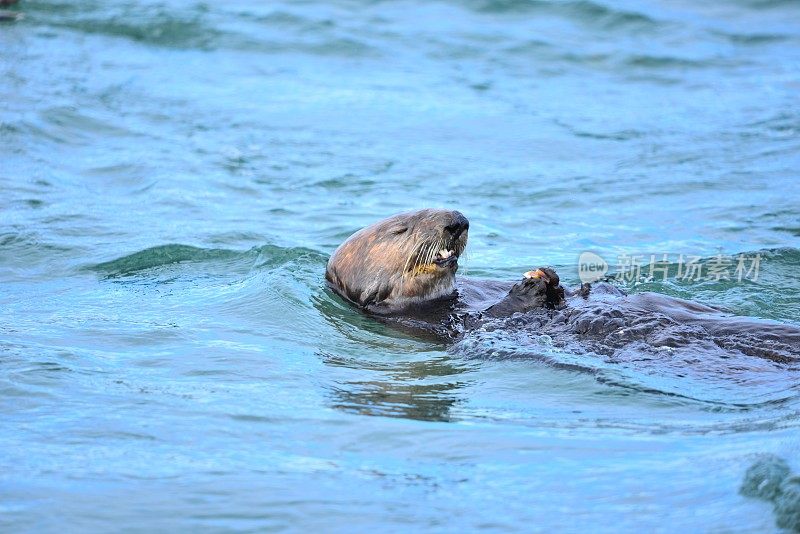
{"type": "Point", "coordinates": [174, 175]}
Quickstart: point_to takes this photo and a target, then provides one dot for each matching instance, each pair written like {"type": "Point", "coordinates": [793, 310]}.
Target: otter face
{"type": "Point", "coordinates": [407, 258]}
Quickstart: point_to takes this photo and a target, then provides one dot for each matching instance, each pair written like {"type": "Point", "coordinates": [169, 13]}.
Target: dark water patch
{"type": "Point", "coordinates": [346, 182]}
{"type": "Point", "coordinates": [121, 436]}
{"type": "Point", "coordinates": [669, 62]}
{"type": "Point", "coordinates": [506, 6]}
{"type": "Point", "coordinates": [770, 478]}
{"type": "Point", "coordinates": [529, 46]}
{"type": "Point", "coordinates": [123, 178]}
{"type": "Point", "coordinates": [784, 122]}
{"type": "Point", "coordinates": [591, 13]}
{"type": "Point", "coordinates": [44, 367]}
{"type": "Point", "coordinates": [124, 172]}
{"type": "Point", "coordinates": [21, 397]}
{"type": "Point", "coordinates": [263, 257]}
{"type": "Point", "coordinates": [481, 86]}
{"type": "Point", "coordinates": [787, 505]}
{"type": "Point", "coordinates": [767, 4]}
{"type": "Point", "coordinates": [159, 256]}
{"type": "Point", "coordinates": [26, 249]}
{"type": "Point", "coordinates": [424, 390]}
{"type": "Point", "coordinates": [8, 130]}
{"type": "Point", "coordinates": [193, 29]}
{"type": "Point", "coordinates": [39, 7]}
{"type": "Point", "coordinates": [794, 230]}
{"type": "Point", "coordinates": [67, 125]}
{"type": "Point", "coordinates": [157, 27]}
{"type": "Point", "coordinates": [607, 17]}
{"type": "Point", "coordinates": [7, 15]}
{"type": "Point", "coordinates": [658, 78]}
{"type": "Point", "coordinates": [412, 401]}
{"type": "Point", "coordinates": [622, 135]}
{"type": "Point", "coordinates": [270, 256]}
{"type": "Point", "coordinates": [754, 39]}
{"type": "Point", "coordinates": [36, 368]}
{"type": "Point", "coordinates": [32, 203]}
{"type": "Point", "coordinates": [332, 46]}
{"type": "Point", "coordinates": [598, 59]}
{"type": "Point", "coordinates": [284, 19]}
{"type": "Point", "coordinates": [548, 54]}
{"type": "Point", "coordinates": [234, 237]}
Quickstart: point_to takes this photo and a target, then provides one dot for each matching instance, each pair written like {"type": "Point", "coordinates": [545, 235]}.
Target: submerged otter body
{"type": "Point", "coordinates": [402, 270]}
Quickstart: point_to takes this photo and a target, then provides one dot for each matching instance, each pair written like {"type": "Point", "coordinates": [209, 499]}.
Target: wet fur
{"type": "Point", "coordinates": [386, 266]}
{"type": "Point", "coordinates": [375, 270]}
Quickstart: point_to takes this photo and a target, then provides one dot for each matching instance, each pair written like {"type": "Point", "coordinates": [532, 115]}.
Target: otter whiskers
{"type": "Point", "coordinates": [423, 257]}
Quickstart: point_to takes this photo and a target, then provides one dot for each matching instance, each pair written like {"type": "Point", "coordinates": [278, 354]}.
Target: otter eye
{"type": "Point", "coordinates": [399, 230]}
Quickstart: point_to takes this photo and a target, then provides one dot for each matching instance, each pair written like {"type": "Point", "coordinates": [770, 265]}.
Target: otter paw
{"type": "Point", "coordinates": [530, 285]}
{"type": "Point", "coordinates": [543, 273]}
{"type": "Point", "coordinates": [538, 273]}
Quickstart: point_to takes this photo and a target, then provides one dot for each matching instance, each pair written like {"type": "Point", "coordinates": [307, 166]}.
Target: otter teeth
{"type": "Point", "coordinates": [444, 254]}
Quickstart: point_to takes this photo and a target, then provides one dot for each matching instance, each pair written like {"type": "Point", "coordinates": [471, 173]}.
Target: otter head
{"type": "Point", "coordinates": [407, 258]}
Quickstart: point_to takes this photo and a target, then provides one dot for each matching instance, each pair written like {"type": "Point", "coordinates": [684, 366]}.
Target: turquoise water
{"type": "Point", "coordinates": [175, 174]}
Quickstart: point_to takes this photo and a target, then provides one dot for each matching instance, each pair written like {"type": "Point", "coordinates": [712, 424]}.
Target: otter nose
{"type": "Point", "coordinates": [458, 226]}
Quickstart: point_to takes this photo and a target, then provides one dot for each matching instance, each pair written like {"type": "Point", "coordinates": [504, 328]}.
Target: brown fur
{"type": "Point", "coordinates": [390, 264]}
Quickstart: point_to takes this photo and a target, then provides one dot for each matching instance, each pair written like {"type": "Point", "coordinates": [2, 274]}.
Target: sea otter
{"type": "Point", "coordinates": [402, 270]}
